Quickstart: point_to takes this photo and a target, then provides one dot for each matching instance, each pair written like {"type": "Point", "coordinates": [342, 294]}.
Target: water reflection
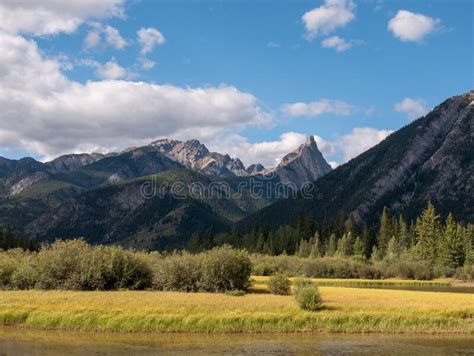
{"type": "Point", "coordinates": [15, 341]}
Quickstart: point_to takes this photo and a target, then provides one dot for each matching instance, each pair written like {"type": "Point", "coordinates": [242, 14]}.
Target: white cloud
{"type": "Point", "coordinates": [48, 17]}
{"type": "Point", "coordinates": [359, 140]}
{"type": "Point", "coordinates": [92, 40]}
{"type": "Point", "coordinates": [149, 38]}
{"type": "Point", "coordinates": [316, 108]}
{"type": "Point", "coordinates": [146, 63]}
{"type": "Point", "coordinates": [409, 26]}
{"type": "Point", "coordinates": [272, 44]}
{"type": "Point", "coordinates": [325, 19]}
{"type": "Point", "coordinates": [108, 70]}
{"type": "Point", "coordinates": [48, 114]}
{"type": "Point", "coordinates": [111, 70]}
{"type": "Point", "coordinates": [113, 37]}
{"type": "Point", "coordinates": [414, 108]}
{"type": "Point", "coordinates": [338, 43]}
{"type": "Point", "coordinates": [269, 153]}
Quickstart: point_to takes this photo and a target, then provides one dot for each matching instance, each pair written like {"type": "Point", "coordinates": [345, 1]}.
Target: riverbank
{"type": "Point", "coordinates": [348, 310]}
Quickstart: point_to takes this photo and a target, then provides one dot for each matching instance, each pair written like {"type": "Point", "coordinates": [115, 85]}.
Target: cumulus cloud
{"type": "Point", "coordinates": [145, 63]}
{"type": "Point", "coordinates": [337, 151]}
{"type": "Point", "coordinates": [149, 38]}
{"type": "Point", "coordinates": [92, 40]}
{"type": "Point", "coordinates": [409, 26]}
{"type": "Point", "coordinates": [111, 34]}
{"type": "Point", "coordinates": [48, 114]}
{"type": "Point", "coordinates": [339, 44]}
{"type": "Point", "coordinates": [413, 108]}
{"type": "Point", "coordinates": [47, 17]}
{"type": "Point", "coordinates": [108, 70]}
{"type": "Point", "coordinates": [317, 108]}
{"type": "Point", "coordinates": [359, 140]}
{"type": "Point", "coordinates": [325, 19]}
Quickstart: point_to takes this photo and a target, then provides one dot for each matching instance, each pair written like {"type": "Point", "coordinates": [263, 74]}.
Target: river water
{"type": "Point", "coordinates": [19, 341]}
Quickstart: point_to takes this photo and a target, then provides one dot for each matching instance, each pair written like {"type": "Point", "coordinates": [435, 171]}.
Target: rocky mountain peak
{"type": "Point", "coordinates": [303, 165]}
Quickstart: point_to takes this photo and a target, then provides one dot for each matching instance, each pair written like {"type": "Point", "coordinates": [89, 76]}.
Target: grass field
{"type": "Point", "coordinates": [259, 281]}
{"type": "Point", "coordinates": [345, 310]}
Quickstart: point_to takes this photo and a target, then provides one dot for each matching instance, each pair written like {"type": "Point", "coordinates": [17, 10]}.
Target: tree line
{"type": "Point", "coordinates": [428, 238]}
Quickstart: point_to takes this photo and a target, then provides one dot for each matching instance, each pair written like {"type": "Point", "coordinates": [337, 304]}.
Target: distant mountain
{"type": "Point", "coordinates": [430, 159]}
{"type": "Point", "coordinates": [194, 155]}
{"type": "Point", "coordinates": [98, 196]}
{"type": "Point", "coordinates": [304, 165]}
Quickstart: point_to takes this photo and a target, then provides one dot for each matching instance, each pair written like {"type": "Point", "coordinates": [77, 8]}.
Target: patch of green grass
{"type": "Point", "coordinates": [344, 310]}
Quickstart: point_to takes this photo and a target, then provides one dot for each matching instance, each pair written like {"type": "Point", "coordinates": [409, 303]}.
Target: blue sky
{"type": "Point", "coordinates": [382, 77]}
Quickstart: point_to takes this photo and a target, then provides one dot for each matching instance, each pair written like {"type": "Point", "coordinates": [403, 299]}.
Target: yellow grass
{"type": "Point", "coordinates": [345, 310]}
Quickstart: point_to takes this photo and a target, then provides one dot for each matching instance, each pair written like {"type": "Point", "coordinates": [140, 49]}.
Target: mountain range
{"type": "Point", "coordinates": [431, 159]}
{"type": "Point", "coordinates": [102, 196]}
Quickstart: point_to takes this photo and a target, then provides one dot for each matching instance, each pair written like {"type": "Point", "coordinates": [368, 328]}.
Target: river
{"type": "Point", "coordinates": [19, 341]}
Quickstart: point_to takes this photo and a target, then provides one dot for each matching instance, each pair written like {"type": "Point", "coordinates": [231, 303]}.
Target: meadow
{"type": "Point", "coordinates": [348, 310]}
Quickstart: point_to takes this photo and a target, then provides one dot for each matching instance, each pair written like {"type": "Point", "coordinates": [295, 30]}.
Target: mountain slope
{"type": "Point", "coordinates": [123, 213]}
{"type": "Point", "coordinates": [430, 159]}
{"type": "Point", "coordinates": [302, 166]}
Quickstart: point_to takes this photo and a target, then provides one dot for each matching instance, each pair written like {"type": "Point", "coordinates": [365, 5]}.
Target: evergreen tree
{"type": "Point", "coordinates": [451, 245]}
{"type": "Point", "coordinates": [260, 243]}
{"type": "Point", "coordinates": [359, 247]}
{"type": "Point", "coordinates": [304, 248]}
{"type": "Point", "coordinates": [403, 234]}
{"type": "Point", "coordinates": [427, 232]}
{"type": "Point", "coordinates": [195, 243]}
{"type": "Point", "coordinates": [316, 247]}
{"type": "Point", "coordinates": [332, 245]}
{"type": "Point", "coordinates": [392, 248]}
{"type": "Point", "coordinates": [344, 245]}
{"type": "Point", "coordinates": [385, 231]}
{"type": "Point", "coordinates": [352, 227]}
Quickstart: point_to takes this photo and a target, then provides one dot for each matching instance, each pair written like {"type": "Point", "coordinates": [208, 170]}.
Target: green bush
{"type": "Point", "coordinates": [217, 270]}
{"type": "Point", "coordinates": [279, 284]}
{"type": "Point", "coordinates": [236, 293]}
{"type": "Point", "coordinates": [308, 298]}
{"type": "Point", "coordinates": [299, 283]}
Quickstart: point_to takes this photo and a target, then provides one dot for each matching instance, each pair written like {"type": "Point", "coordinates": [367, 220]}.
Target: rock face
{"type": "Point", "coordinates": [431, 159]}
{"type": "Point", "coordinates": [194, 155]}
{"type": "Point", "coordinates": [302, 166]}
{"type": "Point", "coordinates": [73, 162]}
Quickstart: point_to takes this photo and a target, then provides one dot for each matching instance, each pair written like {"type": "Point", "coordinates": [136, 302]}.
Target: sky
{"type": "Point", "coordinates": [248, 78]}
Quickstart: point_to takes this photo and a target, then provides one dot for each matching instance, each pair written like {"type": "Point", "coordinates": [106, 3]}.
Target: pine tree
{"type": "Point", "coordinates": [260, 243]}
{"type": "Point", "coordinates": [385, 231]}
{"type": "Point", "coordinates": [345, 245]}
{"type": "Point", "coordinates": [451, 245]}
{"type": "Point", "coordinates": [352, 226]}
{"type": "Point", "coordinates": [304, 248]}
{"type": "Point", "coordinates": [359, 247]}
{"type": "Point", "coordinates": [427, 232]}
{"type": "Point", "coordinates": [316, 248]}
{"type": "Point", "coordinates": [392, 248]}
{"type": "Point", "coordinates": [403, 235]}
{"type": "Point", "coordinates": [195, 243]}
{"type": "Point", "coordinates": [332, 245]}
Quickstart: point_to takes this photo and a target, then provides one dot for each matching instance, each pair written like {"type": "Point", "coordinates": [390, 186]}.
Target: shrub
{"type": "Point", "coordinates": [308, 298]}
{"type": "Point", "coordinates": [465, 273]}
{"type": "Point", "coordinates": [279, 284]}
{"type": "Point", "coordinates": [235, 293]}
{"type": "Point", "coordinates": [299, 283]}
{"type": "Point", "coordinates": [224, 268]}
